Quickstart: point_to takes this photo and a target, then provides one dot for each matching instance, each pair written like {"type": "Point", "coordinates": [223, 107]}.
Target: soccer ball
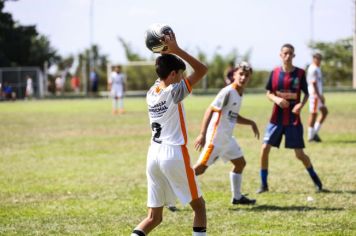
{"type": "Point", "coordinates": [154, 34]}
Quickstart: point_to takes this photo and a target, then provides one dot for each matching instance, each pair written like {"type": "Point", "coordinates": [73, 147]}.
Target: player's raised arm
{"type": "Point", "coordinates": [199, 69]}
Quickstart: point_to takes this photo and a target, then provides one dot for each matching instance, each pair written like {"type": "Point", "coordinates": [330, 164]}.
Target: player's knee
{"type": "Point", "coordinates": [299, 156]}
{"type": "Point", "coordinates": [326, 112]}
{"type": "Point", "coordinates": [239, 166]}
{"type": "Point", "coordinates": [302, 157]}
{"type": "Point", "coordinates": [198, 205]}
{"type": "Point", "coordinates": [265, 150]}
{"type": "Point", "coordinates": [243, 163]}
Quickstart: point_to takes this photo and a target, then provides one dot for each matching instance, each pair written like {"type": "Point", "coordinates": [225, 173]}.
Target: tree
{"type": "Point", "coordinates": [22, 45]}
{"type": "Point", "coordinates": [337, 61]}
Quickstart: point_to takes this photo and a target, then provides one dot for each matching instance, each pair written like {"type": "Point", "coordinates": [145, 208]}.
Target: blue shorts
{"type": "Point", "coordinates": [293, 135]}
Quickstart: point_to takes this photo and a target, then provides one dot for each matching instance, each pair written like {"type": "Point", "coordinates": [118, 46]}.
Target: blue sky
{"type": "Point", "coordinates": [212, 26]}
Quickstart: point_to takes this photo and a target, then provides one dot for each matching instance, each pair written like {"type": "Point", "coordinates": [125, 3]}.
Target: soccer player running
{"type": "Point", "coordinates": [284, 89]}
{"type": "Point", "coordinates": [169, 171]}
{"type": "Point", "coordinates": [316, 99]}
{"type": "Point", "coordinates": [216, 138]}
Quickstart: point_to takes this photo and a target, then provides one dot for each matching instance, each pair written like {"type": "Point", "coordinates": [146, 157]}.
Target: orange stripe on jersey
{"type": "Point", "coordinates": [190, 173]}
{"type": "Point", "coordinates": [182, 122]}
{"type": "Point", "coordinates": [189, 87]}
{"type": "Point", "coordinates": [207, 154]}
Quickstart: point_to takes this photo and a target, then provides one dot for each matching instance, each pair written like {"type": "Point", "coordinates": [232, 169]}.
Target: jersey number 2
{"type": "Point", "coordinates": [156, 127]}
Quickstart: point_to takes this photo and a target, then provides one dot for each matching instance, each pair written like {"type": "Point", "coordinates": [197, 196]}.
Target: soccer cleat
{"type": "Point", "coordinates": [172, 208]}
{"type": "Point", "coordinates": [262, 189]}
{"type": "Point", "coordinates": [243, 201]}
{"type": "Point", "coordinates": [311, 140]}
{"type": "Point", "coordinates": [322, 190]}
{"type": "Point", "coordinates": [317, 138]}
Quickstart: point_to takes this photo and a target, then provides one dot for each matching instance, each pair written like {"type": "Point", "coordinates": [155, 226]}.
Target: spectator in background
{"type": "Point", "coordinates": [29, 87]}
{"type": "Point", "coordinates": [117, 87]}
{"type": "Point", "coordinates": [8, 92]}
{"type": "Point", "coordinates": [59, 83]}
{"type": "Point", "coordinates": [1, 93]}
{"type": "Point", "coordinates": [94, 81]}
{"type": "Point", "coordinates": [75, 83]}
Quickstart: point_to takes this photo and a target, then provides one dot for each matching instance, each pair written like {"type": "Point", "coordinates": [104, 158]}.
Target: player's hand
{"type": "Point", "coordinates": [200, 169]}
{"type": "Point", "coordinates": [171, 43]}
{"type": "Point", "coordinates": [282, 103]}
{"type": "Point", "coordinates": [199, 142]}
{"type": "Point", "coordinates": [255, 130]}
{"type": "Point", "coordinates": [297, 108]}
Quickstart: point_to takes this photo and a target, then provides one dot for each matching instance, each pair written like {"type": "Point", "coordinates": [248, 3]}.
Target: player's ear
{"type": "Point", "coordinates": [173, 73]}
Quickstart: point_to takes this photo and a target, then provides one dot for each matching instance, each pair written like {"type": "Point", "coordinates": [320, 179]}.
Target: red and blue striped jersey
{"type": "Point", "coordinates": [287, 85]}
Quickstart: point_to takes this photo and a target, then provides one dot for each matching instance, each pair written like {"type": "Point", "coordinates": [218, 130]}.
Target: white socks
{"type": "Point", "coordinates": [121, 103]}
{"type": "Point", "coordinates": [235, 181]}
{"type": "Point", "coordinates": [317, 127]}
{"type": "Point", "coordinates": [310, 133]}
{"type": "Point", "coordinates": [114, 104]}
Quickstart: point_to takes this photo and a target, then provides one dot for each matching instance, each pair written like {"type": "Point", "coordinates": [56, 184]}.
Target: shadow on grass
{"type": "Point", "coordinates": [324, 191]}
{"type": "Point", "coordinates": [287, 208]}
{"type": "Point", "coordinates": [342, 191]}
{"type": "Point", "coordinates": [344, 141]}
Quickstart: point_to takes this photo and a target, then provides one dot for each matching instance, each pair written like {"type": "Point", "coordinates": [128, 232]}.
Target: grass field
{"type": "Point", "coordinates": [70, 167]}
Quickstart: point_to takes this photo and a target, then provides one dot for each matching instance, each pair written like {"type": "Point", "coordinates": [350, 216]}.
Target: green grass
{"type": "Point", "coordinates": [70, 167]}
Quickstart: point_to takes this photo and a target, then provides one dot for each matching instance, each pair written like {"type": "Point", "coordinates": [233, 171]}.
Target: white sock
{"type": "Point", "coordinates": [235, 181]}
{"type": "Point", "coordinates": [114, 104]}
{"type": "Point", "coordinates": [310, 132]}
{"type": "Point", "coordinates": [317, 127]}
{"type": "Point", "coordinates": [121, 103]}
{"type": "Point", "coordinates": [199, 234]}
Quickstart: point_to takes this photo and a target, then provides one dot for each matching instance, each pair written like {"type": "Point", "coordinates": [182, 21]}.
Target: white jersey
{"type": "Point", "coordinates": [166, 112]}
{"type": "Point", "coordinates": [227, 106]}
{"type": "Point", "coordinates": [117, 81]}
{"type": "Point", "coordinates": [314, 74]}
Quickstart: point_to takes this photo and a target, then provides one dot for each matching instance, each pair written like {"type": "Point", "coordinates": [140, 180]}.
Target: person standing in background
{"type": "Point", "coordinates": [117, 87]}
{"type": "Point", "coordinates": [29, 87]}
{"type": "Point", "coordinates": [316, 99]}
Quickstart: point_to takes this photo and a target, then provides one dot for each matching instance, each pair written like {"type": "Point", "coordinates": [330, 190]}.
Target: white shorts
{"type": "Point", "coordinates": [170, 175]}
{"type": "Point", "coordinates": [228, 151]}
{"type": "Point", "coordinates": [315, 104]}
{"type": "Point", "coordinates": [117, 93]}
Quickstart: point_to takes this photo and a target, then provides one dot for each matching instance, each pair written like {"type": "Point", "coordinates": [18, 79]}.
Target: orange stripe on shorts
{"type": "Point", "coordinates": [207, 154]}
{"type": "Point", "coordinates": [190, 173]}
{"type": "Point", "coordinates": [182, 123]}
{"type": "Point", "coordinates": [211, 146]}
